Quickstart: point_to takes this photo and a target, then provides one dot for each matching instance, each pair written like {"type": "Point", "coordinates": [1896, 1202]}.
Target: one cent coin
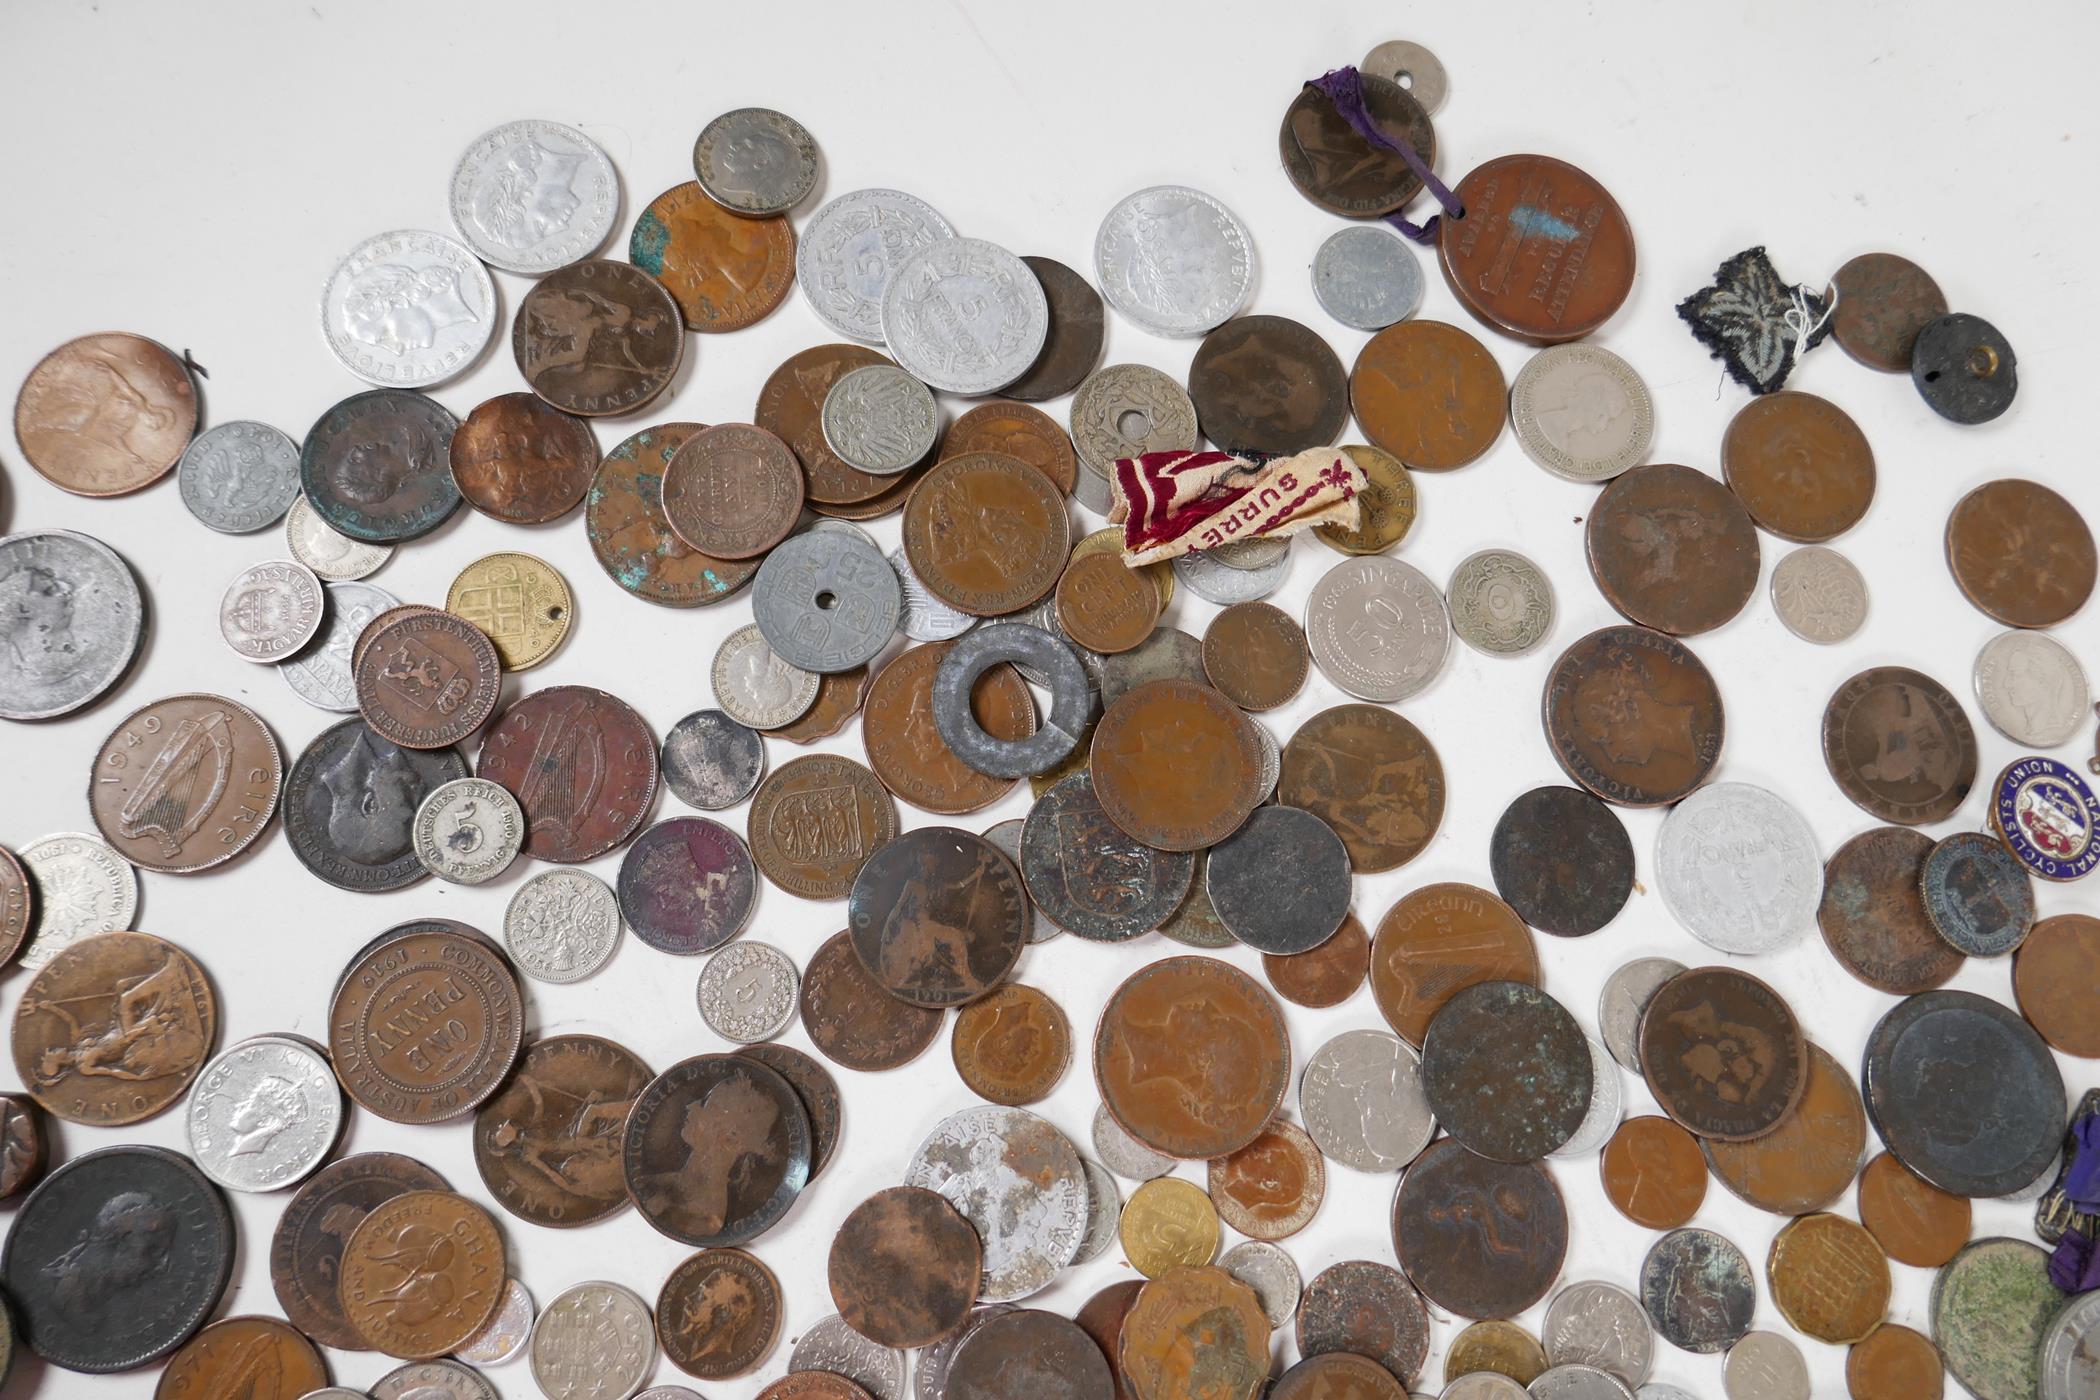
{"type": "Point", "coordinates": [1255, 655]}
{"type": "Point", "coordinates": [522, 603]}
{"type": "Point", "coordinates": [1506, 1071]}
{"type": "Point", "coordinates": [938, 916]}
{"type": "Point", "coordinates": [113, 1029]}
{"type": "Point", "coordinates": [1176, 765]}
{"type": "Point", "coordinates": [688, 886]}
{"type": "Point", "coordinates": [904, 742]}
{"type": "Point", "coordinates": [1429, 394]}
{"type": "Point", "coordinates": [1899, 745]}
{"type": "Point", "coordinates": [1012, 1046]}
{"type": "Point", "coordinates": [1894, 1363]}
{"type": "Point", "coordinates": [1016, 430]}
{"type": "Point", "coordinates": [426, 680]}
{"type": "Point", "coordinates": [377, 466]}
{"type": "Point", "coordinates": [1104, 605]}
{"type": "Point", "coordinates": [986, 533]}
{"type": "Point", "coordinates": [733, 490]}
{"type": "Point", "coordinates": [426, 1022]}
{"type": "Point", "coordinates": [1437, 941]}
{"type": "Point", "coordinates": [582, 764]}
{"type": "Point", "coordinates": [1672, 548]}
{"type": "Point", "coordinates": [904, 1267]}
{"type": "Point", "coordinates": [1873, 913]}
{"type": "Point", "coordinates": [727, 271]}
{"type": "Point", "coordinates": [2021, 553]}
{"type": "Point", "coordinates": [1271, 1188]}
{"type": "Point", "coordinates": [1633, 716]}
{"type": "Point", "coordinates": [106, 414]}
{"type": "Point", "coordinates": [1543, 252]}
{"type": "Point", "coordinates": [1799, 465]}
{"type": "Point", "coordinates": [1195, 1331]}
{"type": "Point", "coordinates": [259, 1358]}
{"type": "Point", "coordinates": [1367, 1309]}
{"type": "Point", "coordinates": [716, 1149]}
{"type": "Point", "coordinates": [1914, 1221]}
{"type": "Point", "coordinates": [1562, 860]}
{"type": "Point", "coordinates": [548, 1145]}
{"type": "Point", "coordinates": [1385, 508]}
{"type": "Point", "coordinates": [598, 337]}
{"type": "Point", "coordinates": [814, 822]}
{"type": "Point", "coordinates": [1811, 1157]}
{"type": "Point", "coordinates": [623, 514]}
{"type": "Point", "coordinates": [422, 1273]}
{"type": "Point", "coordinates": [1723, 1053]}
{"type": "Point", "coordinates": [1324, 976]}
{"type": "Point", "coordinates": [186, 783]}
{"type": "Point", "coordinates": [1829, 1279]}
{"type": "Point", "coordinates": [1192, 1057]}
{"type": "Point", "coordinates": [718, 1315]}
{"type": "Point", "coordinates": [2054, 972]}
{"type": "Point", "coordinates": [1268, 384]}
{"type": "Point", "coordinates": [520, 459]}
{"type": "Point", "coordinates": [852, 1019]}
{"type": "Point", "coordinates": [1483, 1239]}
{"type": "Point", "coordinates": [1653, 1173]}
{"type": "Point", "coordinates": [306, 1251]}
{"type": "Point", "coordinates": [1371, 775]}
{"type": "Point", "coordinates": [1881, 302]}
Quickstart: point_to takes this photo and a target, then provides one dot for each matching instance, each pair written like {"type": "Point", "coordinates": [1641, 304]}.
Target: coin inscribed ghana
{"type": "Point", "coordinates": [1634, 716]}
{"type": "Point", "coordinates": [1653, 1173]}
{"type": "Point", "coordinates": [1192, 1057]}
{"type": "Point", "coordinates": [306, 1248]}
{"type": "Point", "coordinates": [1428, 393]}
{"type": "Point", "coordinates": [1543, 252]}
{"type": "Point", "coordinates": [459, 1257]}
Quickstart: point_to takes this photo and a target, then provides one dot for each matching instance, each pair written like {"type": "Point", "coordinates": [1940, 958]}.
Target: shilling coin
{"type": "Point", "coordinates": [632, 537]}
{"type": "Point", "coordinates": [1672, 548]}
{"type": "Point", "coordinates": [1515, 272]}
{"type": "Point", "coordinates": [1581, 412]}
{"type": "Point", "coordinates": [271, 610]}
{"type": "Point", "coordinates": [718, 1315]}
{"type": "Point", "coordinates": [1799, 465]}
{"type": "Point", "coordinates": [756, 161]}
{"type": "Point", "coordinates": [546, 1145]}
{"type": "Point", "coordinates": [321, 675]}
{"type": "Point", "coordinates": [964, 315]}
{"type": "Point", "coordinates": [1964, 368]}
{"type": "Point", "coordinates": [1385, 507]}
{"type": "Point", "coordinates": [1899, 745]}
{"type": "Point", "coordinates": [1634, 716]}
{"type": "Point", "coordinates": [264, 1114]}
{"type": "Point", "coordinates": [519, 459]}
{"type": "Point", "coordinates": [1226, 1074]}
{"type": "Point", "coordinates": [826, 602]}
{"type": "Point", "coordinates": [1819, 594]}
{"type": "Point", "coordinates": [596, 1341]}
{"type": "Point", "coordinates": [78, 1012]}
{"type": "Point", "coordinates": [1624, 999]}
{"type": "Point", "coordinates": [712, 762]}
{"type": "Point", "coordinates": [239, 477]}
{"type": "Point", "coordinates": [1437, 1212]}
{"type": "Point", "coordinates": [1123, 1154]}
{"type": "Point", "coordinates": [467, 1270]}
{"type": "Point", "coordinates": [1366, 278]}
{"type": "Point", "coordinates": [1806, 1162]}
{"type": "Point", "coordinates": [1429, 393]}
{"type": "Point", "coordinates": [1087, 876]}
{"type": "Point", "coordinates": [519, 601]}
{"type": "Point", "coordinates": [1698, 1290]}
{"type": "Point", "coordinates": [849, 247]}
{"type": "Point", "coordinates": [2031, 689]}
{"type": "Point", "coordinates": [2048, 816]}
{"type": "Point", "coordinates": [754, 1158]}
{"type": "Point", "coordinates": [852, 1019]}
{"type": "Point", "coordinates": [72, 618]}
{"type": "Point", "coordinates": [1991, 1309]}
{"type": "Point", "coordinates": [1873, 913]}
{"type": "Point", "coordinates": [1880, 303]}
{"type": "Point", "coordinates": [377, 466]}
{"type": "Point", "coordinates": [1412, 67]}
{"type": "Point", "coordinates": [1363, 1101]}
{"type": "Point", "coordinates": [2021, 553]}
{"type": "Point", "coordinates": [1693, 1052]}
{"type": "Point", "coordinates": [1599, 1324]}
{"type": "Point", "coordinates": [1073, 346]}
{"type": "Point", "coordinates": [1174, 260]}
{"type": "Point", "coordinates": [1378, 628]}
{"type": "Point", "coordinates": [1129, 410]}
{"type": "Point", "coordinates": [687, 885]}
{"type": "Point", "coordinates": [1501, 603]}
{"type": "Point", "coordinates": [839, 1364]}
{"type": "Point", "coordinates": [562, 925]}
{"type": "Point", "coordinates": [503, 1337]}
{"type": "Point", "coordinates": [1168, 1223]}
{"type": "Point", "coordinates": [1653, 1173]}
{"type": "Point", "coordinates": [1506, 1071]}
{"type": "Point", "coordinates": [1562, 860]}
{"type": "Point", "coordinates": [1738, 868]}
{"type": "Point", "coordinates": [237, 1353]}
{"type": "Point", "coordinates": [106, 414]}
{"type": "Point", "coordinates": [904, 1268]}
{"type": "Point", "coordinates": [725, 271]}
{"type": "Point", "coordinates": [408, 309]}
{"type": "Point", "coordinates": [925, 618]}
{"type": "Point", "coordinates": [881, 420]}
{"type": "Point", "coordinates": [306, 1248]}
{"type": "Point", "coordinates": [439, 1380]}
{"type": "Point", "coordinates": [748, 992]}
{"type": "Point", "coordinates": [754, 686]}
{"type": "Point", "coordinates": [82, 887]}
{"type": "Point", "coordinates": [1018, 1180]}
{"type": "Point", "coordinates": [426, 680]}
{"type": "Point", "coordinates": [1976, 894]}
{"type": "Point", "coordinates": [598, 337]}
{"type": "Point", "coordinates": [939, 916]}
{"type": "Point", "coordinates": [326, 550]}
{"type": "Point", "coordinates": [436, 1070]}
{"type": "Point", "coordinates": [1281, 883]}
{"type": "Point", "coordinates": [350, 806]}
{"type": "Point", "coordinates": [581, 762]}
{"type": "Point", "coordinates": [532, 196]}
{"type": "Point", "coordinates": [186, 783]}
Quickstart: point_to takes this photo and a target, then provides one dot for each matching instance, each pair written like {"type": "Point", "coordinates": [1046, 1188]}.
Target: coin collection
{"type": "Point", "coordinates": [1034, 649]}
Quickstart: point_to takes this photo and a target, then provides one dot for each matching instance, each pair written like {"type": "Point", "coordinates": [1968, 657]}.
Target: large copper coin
{"type": "Point", "coordinates": [813, 1385]}
{"type": "Point", "coordinates": [1013, 1046]}
{"type": "Point", "coordinates": [598, 337]}
{"type": "Point", "coordinates": [426, 1022]}
{"type": "Point", "coordinates": [422, 1273]}
{"type": "Point", "coordinates": [1372, 776]}
{"type": "Point", "coordinates": [1914, 1221]}
{"type": "Point", "coordinates": [1899, 745]}
{"type": "Point", "coordinates": [1895, 1363]}
{"type": "Point", "coordinates": [1271, 1188]}
{"type": "Point", "coordinates": [1633, 716]}
{"type": "Point", "coordinates": [813, 1085]}
{"type": "Point", "coordinates": [1385, 508]}
{"type": "Point", "coordinates": [186, 783]}
{"type": "Point", "coordinates": [1482, 1239]}
{"type": "Point", "coordinates": [2021, 553]}
{"type": "Point", "coordinates": [1332, 164]}
{"type": "Point", "coordinates": [814, 822]}
{"type": "Point", "coordinates": [904, 744]}
{"type": "Point", "coordinates": [1073, 347]}
{"type": "Point", "coordinates": [1367, 1309]}
{"type": "Point", "coordinates": [1723, 1053]}
{"type": "Point", "coordinates": [1653, 1173]}
{"type": "Point", "coordinates": [1873, 913]}
{"type": "Point", "coordinates": [1324, 976]}
{"type": "Point", "coordinates": [1192, 1057]}
{"type": "Point", "coordinates": [243, 1358]}
{"type": "Point", "coordinates": [1437, 941]}
{"type": "Point", "coordinates": [1828, 1278]}
{"type": "Point", "coordinates": [1542, 253]}
{"type": "Point", "coordinates": [1105, 606]}
{"type": "Point", "coordinates": [733, 490]}
{"type": "Point", "coordinates": [852, 1020]}
{"type": "Point", "coordinates": [938, 916]}
{"type": "Point", "coordinates": [377, 466]}
{"type": "Point", "coordinates": [1028, 1354]}
{"type": "Point", "coordinates": [306, 1251]}
{"type": "Point", "coordinates": [106, 414]}
{"type": "Point", "coordinates": [2054, 974]}
{"type": "Point", "coordinates": [1799, 465]}
{"type": "Point", "coordinates": [17, 906]}
{"type": "Point", "coordinates": [1256, 655]}
{"type": "Point", "coordinates": [1506, 1071]}
{"type": "Point", "coordinates": [1562, 860]}
{"type": "Point", "coordinates": [548, 1145]}
{"type": "Point", "coordinates": [581, 763]}
{"type": "Point", "coordinates": [1882, 302]}
{"type": "Point", "coordinates": [726, 271]}
{"type": "Point", "coordinates": [518, 458]}
{"type": "Point", "coordinates": [1672, 549]}
{"type": "Point", "coordinates": [1101, 1317]}
{"type": "Point", "coordinates": [718, 1314]}
{"type": "Point", "coordinates": [717, 1148]}
{"type": "Point", "coordinates": [986, 533]}
{"type": "Point", "coordinates": [791, 406]}
{"type": "Point", "coordinates": [1430, 394]}
{"type": "Point", "coordinates": [1176, 765]}
{"type": "Point", "coordinates": [113, 1029]}
{"type": "Point", "coordinates": [427, 680]}
{"type": "Point", "coordinates": [1268, 384]}
{"type": "Point", "coordinates": [904, 1267]}
{"type": "Point", "coordinates": [623, 514]}
{"type": "Point", "coordinates": [1337, 1375]}
{"type": "Point", "coordinates": [1195, 1332]}
{"type": "Point", "coordinates": [1808, 1160]}
{"type": "Point", "coordinates": [1016, 430]}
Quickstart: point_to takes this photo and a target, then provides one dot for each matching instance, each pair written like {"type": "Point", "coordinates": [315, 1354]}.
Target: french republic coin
{"type": "Point", "coordinates": [1256, 656]}
{"type": "Point", "coordinates": [1364, 1102]}
{"type": "Point", "coordinates": [1501, 603]}
{"type": "Point", "coordinates": [711, 762]}
{"type": "Point", "coordinates": [321, 675]}
{"type": "Point", "coordinates": [1017, 430]}
{"type": "Point", "coordinates": [1174, 260]}
{"type": "Point", "coordinates": [468, 831]}
{"type": "Point", "coordinates": [687, 885]}
{"type": "Point", "coordinates": [596, 1341]}
{"type": "Point", "coordinates": [113, 1029]}
{"type": "Point", "coordinates": [1506, 1071]}
{"type": "Point", "coordinates": [239, 477]}
{"type": "Point", "coordinates": [1879, 303]}
{"type": "Point", "coordinates": [964, 315]}
{"type": "Point", "coordinates": [755, 687]}
{"type": "Point", "coordinates": [904, 1268]}
{"type": "Point", "coordinates": [1334, 164]}
{"type": "Point", "coordinates": [408, 309]}
{"type": "Point", "coordinates": [1281, 882]}
{"type": "Point", "coordinates": [1582, 413]}
{"type": "Point", "coordinates": [733, 491]}
{"type": "Point", "coordinates": [1105, 606]}
{"type": "Point", "coordinates": [426, 680]}
{"type": "Point", "coordinates": [2031, 689]}
{"type": "Point", "coordinates": [1544, 253]}
{"type": "Point", "coordinates": [2047, 816]}
{"type": "Point", "coordinates": [632, 537]}
{"type": "Point", "coordinates": [1673, 549]}
{"type": "Point", "coordinates": [826, 602]}
{"type": "Point", "coordinates": [1271, 1188]}
{"type": "Point", "coordinates": [849, 247]}
{"type": "Point", "coordinates": [1976, 895]}
{"type": "Point", "coordinates": [1268, 384]}
{"type": "Point", "coordinates": [327, 551]}
{"type": "Point", "coordinates": [1385, 508]}
{"type": "Point", "coordinates": [903, 735]}
{"type": "Point", "coordinates": [1898, 744]}
{"type": "Point", "coordinates": [1592, 1323]}
{"type": "Point", "coordinates": [1991, 1309]}
{"type": "Point", "coordinates": [815, 822]}
{"type": "Point", "coordinates": [2050, 972]}
{"type": "Point", "coordinates": [1896, 1363]}
{"type": "Point", "coordinates": [1192, 1057]}
{"type": "Point", "coordinates": [1011, 1047]}
{"type": "Point", "coordinates": [747, 992]}
{"type": "Point", "coordinates": [520, 459]}
{"type": "Point", "coordinates": [1324, 976]}
{"type": "Point", "coordinates": [880, 420]}
{"type": "Point", "coordinates": [718, 1314]}
{"type": "Point", "coordinates": [1446, 1199]}
{"type": "Point", "coordinates": [531, 196]}
{"type": "Point", "coordinates": [73, 618]}
{"type": "Point", "coordinates": [24, 1144]}
{"type": "Point", "coordinates": [1372, 776]}
{"type": "Point", "coordinates": [814, 1086]}
{"type": "Point", "coordinates": [1964, 368]}
{"type": "Point", "coordinates": [724, 270]}
{"type": "Point", "coordinates": [755, 161]}
{"type": "Point", "coordinates": [1829, 1279]}
{"type": "Point", "coordinates": [986, 533]}
{"type": "Point", "coordinates": [561, 926]}
{"type": "Point", "coordinates": [458, 1256]}
{"type": "Point", "coordinates": [1914, 1221]}
{"type": "Point", "coordinates": [377, 466]}
{"type": "Point", "coordinates": [1378, 628]}
{"type": "Point", "coordinates": [503, 1337]}
{"type": "Point", "coordinates": [82, 887]}
{"type": "Point", "coordinates": [1126, 411]}
{"type": "Point", "coordinates": [1562, 860]}
{"type": "Point", "coordinates": [1090, 878]}
{"type": "Point", "coordinates": [236, 1353]}
{"type": "Point", "coordinates": [1799, 465]}
{"type": "Point", "coordinates": [1806, 1162]}
{"type": "Point", "coordinates": [1073, 346]}
{"type": "Point", "coordinates": [1435, 942]}
{"type": "Point", "coordinates": [2021, 553]}
{"type": "Point", "coordinates": [791, 406]}
{"type": "Point", "coordinates": [1634, 716]}
{"type": "Point", "coordinates": [399, 1061]}
{"type": "Point", "coordinates": [1873, 914]}
{"type": "Point", "coordinates": [1738, 868]}
{"type": "Point", "coordinates": [582, 764]}
{"type": "Point", "coordinates": [1366, 278]}
{"type": "Point", "coordinates": [107, 414]}
{"type": "Point", "coordinates": [186, 783]}
{"type": "Point", "coordinates": [264, 1114]}
{"type": "Point", "coordinates": [1819, 595]}
{"type": "Point", "coordinates": [1430, 394]}
{"type": "Point", "coordinates": [938, 916]}
{"type": "Point", "coordinates": [1723, 1053]}
{"type": "Point", "coordinates": [1192, 1328]}
{"type": "Point", "coordinates": [1176, 765]}
{"type": "Point", "coordinates": [1017, 1179]}
{"type": "Point", "coordinates": [519, 601]}
{"type": "Point", "coordinates": [1698, 1290]}
{"type": "Point", "coordinates": [1653, 1173]}
{"type": "Point", "coordinates": [715, 1150]}
{"type": "Point", "coordinates": [852, 1019]}
{"type": "Point", "coordinates": [306, 1249]}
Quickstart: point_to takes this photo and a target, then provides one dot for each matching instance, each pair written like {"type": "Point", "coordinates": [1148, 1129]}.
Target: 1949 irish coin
{"type": "Point", "coordinates": [186, 783]}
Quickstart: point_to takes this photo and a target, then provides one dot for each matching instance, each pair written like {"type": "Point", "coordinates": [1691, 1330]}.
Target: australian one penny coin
{"type": "Point", "coordinates": [1828, 1278]}
{"type": "Point", "coordinates": [1899, 745]}
{"type": "Point", "coordinates": [1268, 384]}
{"type": "Point", "coordinates": [1634, 716]}
{"type": "Point", "coordinates": [718, 1315]}
{"type": "Point", "coordinates": [1482, 1239]}
{"type": "Point", "coordinates": [597, 337]}
{"type": "Point", "coordinates": [726, 270]}
{"type": "Point", "coordinates": [548, 1144]}
{"type": "Point", "coordinates": [1195, 1331]}
{"type": "Point", "coordinates": [1437, 941]}
{"type": "Point", "coordinates": [17, 906]}
{"type": "Point", "coordinates": [2021, 553]}
{"type": "Point", "coordinates": [256, 1358]}
{"type": "Point", "coordinates": [1336, 167]}
{"type": "Point", "coordinates": [904, 743]}
{"type": "Point", "coordinates": [422, 1273]}
{"type": "Point", "coordinates": [582, 764]}
{"type": "Point", "coordinates": [426, 1022]}
{"type": "Point", "coordinates": [113, 1029]}
{"type": "Point", "coordinates": [986, 533]}
{"type": "Point", "coordinates": [426, 680]}
{"type": "Point", "coordinates": [1271, 1188]}
{"type": "Point", "coordinates": [717, 1147]}
{"type": "Point", "coordinates": [1654, 1174]}
{"type": "Point", "coordinates": [2054, 973]}
{"type": "Point", "coordinates": [1104, 605]}
{"type": "Point", "coordinates": [520, 459]}
{"type": "Point", "coordinates": [852, 1019]}
{"type": "Point", "coordinates": [1914, 1221]}
{"type": "Point", "coordinates": [186, 783]}
{"type": "Point", "coordinates": [1371, 775]}
{"type": "Point", "coordinates": [813, 1085]}
{"type": "Point", "coordinates": [904, 1267]}
{"type": "Point", "coordinates": [106, 414]}
{"type": "Point", "coordinates": [1176, 765]}
{"type": "Point", "coordinates": [1324, 976]}
{"type": "Point", "coordinates": [791, 406]}
{"type": "Point", "coordinates": [1723, 1053]}
{"type": "Point", "coordinates": [1017, 430]}
{"type": "Point", "coordinates": [1810, 1159]}
{"type": "Point", "coordinates": [814, 822]}
{"type": "Point", "coordinates": [306, 1251]}
{"type": "Point", "coordinates": [733, 491]}
{"type": "Point", "coordinates": [25, 1144]}
{"type": "Point", "coordinates": [1430, 394]}
{"type": "Point", "coordinates": [1673, 549]}
{"type": "Point", "coordinates": [1013, 1046]}
{"type": "Point", "coordinates": [1881, 302]}
{"type": "Point", "coordinates": [1192, 1057]}
{"type": "Point", "coordinates": [623, 514]}
{"type": "Point", "coordinates": [1873, 913]}
{"type": "Point", "coordinates": [1256, 656]}
{"type": "Point", "coordinates": [1799, 465]}
{"type": "Point", "coordinates": [1385, 508]}
{"type": "Point", "coordinates": [1543, 252]}
{"type": "Point", "coordinates": [1895, 1363]}
{"type": "Point", "coordinates": [938, 916]}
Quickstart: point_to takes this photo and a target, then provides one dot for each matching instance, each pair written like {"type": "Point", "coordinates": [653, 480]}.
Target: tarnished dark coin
{"type": "Point", "coordinates": [1017, 430]}
{"type": "Point", "coordinates": [687, 885]}
{"type": "Point", "coordinates": [1338, 1375]}
{"type": "Point", "coordinates": [1698, 1290]}
{"type": "Point", "coordinates": [1268, 384]}
{"type": "Point", "coordinates": [24, 1145]}
{"type": "Point", "coordinates": [426, 679]}
{"type": "Point", "coordinates": [1324, 976]}
{"type": "Point", "coordinates": [422, 1273]}
{"type": "Point", "coordinates": [1634, 716]}
{"type": "Point", "coordinates": [106, 414]}
{"type": "Point", "coordinates": [2054, 972]}
{"type": "Point", "coordinates": [1483, 1239]}
{"type": "Point", "coordinates": [255, 1358]}
{"type": "Point", "coordinates": [1192, 1057]}
{"type": "Point", "coordinates": [1799, 465]}
{"type": "Point", "coordinates": [1429, 394]}
{"type": "Point", "coordinates": [1914, 1221]}
{"type": "Point", "coordinates": [1195, 1331]}
{"type": "Point", "coordinates": [1544, 252]}
{"type": "Point", "coordinates": [1873, 914]}
{"type": "Point", "coordinates": [2021, 553]}
{"type": "Point", "coordinates": [1723, 1053]}
{"type": "Point", "coordinates": [548, 1145]}
{"type": "Point", "coordinates": [1964, 368]}
{"type": "Point", "coordinates": [1176, 765]}
{"type": "Point", "coordinates": [378, 466]}
{"type": "Point", "coordinates": [1037, 653]}
{"type": "Point", "coordinates": [904, 742]}
{"type": "Point", "coordinates": [580, 762]}
{"type": "Point", "coordinates": [1168, 654]}
{"type": "Point", "coordinates": [1976, 896]}
{"type": "Point", "coordinates": [598, 337]}
{"type": "Point", "coordinates": [394, 1053]}
{"type": "Point", "coordinates": [1807, 1161]}
{"type": "Point", "coordinates": [718, 1315]}
{"type": "Point", "coordinates": [186, 783]}
{"type": "Point", "coordinates": [1368, 1309]}
{"type": "Point", "coordinates": [1829, 1279]}
{"type": "Point", "coordinates": [727, 271]}
{"type": "Point", "coordinates": [904, 1267]}
{"type": "Point", "coordinates": [351, 801]}
{"type": "Point", "coordinates": [1653, 1172]}
{"type": "Point", "coordinates": [852, 1019]}
{"type": "Point", "coordinates": [1255, 655]}
{"type": "Point", "coordinates": [519, 459]}
{"type": "Point", "coordinates": [113, 1028]}
{"type": "Point", "coordinates": [1013, 1046]}
{"type": "Point", "coordinates": [1281, 882]}
{"type": "Point", "coordinates": [733, 490]}
{"type": "Point", "coordinates": [938, 916]}
{"type": "Point", "coordinates": [1899, 745]}
{"type": "Point", "coordinates": [17, 907]}
{"type": "Point", "coordinates": [717, 1147]}
{"type": "Point", "coordinates": [813, 1085]}
{"type": "Point", "coordinates": [1672, 548]}
{"type": "Point", "coordinates": [1028, 1354]}
{"type": "Point", "coordinates": [1372, 776]}
{"type": "Point", "coordinates": [1088, 876]}
{"type": "Point", "coordinates": [117, 1258]}
{"type": "Point", "coordinates": [1073, 346]}
{"type": "Point", "coordinates": [986, 533]}
{"type": "Point", "coordinates": [710, 761]}
{"type": "Point", "coordinates": [623, 513]}
{"type": "Point", "coordinates": [815, 822]}
{"type": "Point", "coordinates": [1506, 1071]}
{"type": "Point", "coordinates": [1438, 940]}
{"type": "Point", "coordinates": [1562, 860]}
{"type": "Point", "coordinates": [791, 405]}
{"type": "Point", "coordinates": [1101, 1317]}
{"type": "Point", "coordinates": [307, 1248]}
{"type": "Point", "coordinates": [1332, 164]}
{"type": "Point", "coordinates": [1271, 1188]}
{"type": "Point", "coordinates": [1880, 303]}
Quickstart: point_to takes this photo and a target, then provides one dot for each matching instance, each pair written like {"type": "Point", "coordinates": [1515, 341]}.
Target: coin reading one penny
{"type": "Point", "coordinates": [1270, 1189]}
{"type": "Point", "coordinates": [1634, 716]}
{"type": "Point", "coordinates": [1430, 394]}
{"type": "Point", "coordinates": [718, 1314]}
{"type": "Point", "coordinates": [1653, 1173]}
{"type": "Point", "coordinates": [1873, 913]}
{"type": "Point", "coordinates": [186, 783]}
{"type": "Point", "coordinates": [904, 1267]}
{"type": "Point", "coordinates": [259, 1358]}
{"type": "Point", "coordinates": [1437, 941]}
{"type": "Point", "coordinates": [520, 459]}
{"type": "Point", "coordinates": [581, 763]}
{"type": "Point", "coordinates": [1324, 976]}
{"type": "Point", "coordinates": [986, 533]}
{"type": "Point", "coordinates": [2021, 553]}
{"type": "Point", "coordinates": [426, 680]}
{"type": "Point", "coordinates": [623, 514]}
{"type": "Point", "coordinates": [904, 743]}
{"type": "Point", "coordinates": [422, 1273]}
{"type": "Point", "coordinates": [2054, 972]}
{"type": "Point", "coordinates": [1914, 1221]}
{"type": "Point", "coordinates": [1543, 253]}
{"type": "Point", "coordinates": [1829, 1279]}
{"type": "Point", "coordinates": [1483, 1239]}
{"type": "Point", "coordinates": [548, 1145]}
{"type": "Point", "coordinates": [716, 1149]}
{"type": "Point", "coordinates": [1799, 465]}
{"type": "Point", "coordinates": [1192, 1057]}
{"type": "Point", "coordinates": [1808, 1160]}
{"type": "Point", "coordinates": [814, 822]}
{"type": "Point", "coordinates": [1672, 548]}
{"type": "Point", "coordinates": [306, 1249]}
{"type": "Point", "coordinates": [1012, 1046]}
{"type": "Point", "coordinates": [733, 490]}
{"type": "Point", "coordinates": [1899, 745]}
{"type": "Point", "coordinates": [1268, 384]}
{"type": "Point", "coordinates": [852, 1019]}
{"type": "Point", "coordinates": [1562, 860]}
{"type": "Point", "coordinates": [597, 337]}
{"type": "Point", "coordinates": [113, 1029]}
{"type": "Point", "coordinates": [1881, 302]}
{"type": "Point", "coordinates": [426, 1022]}
{"type": "Point", "coordinates": [1723, 1053]}
{"type": "Point", "coordinates": [106, 414]}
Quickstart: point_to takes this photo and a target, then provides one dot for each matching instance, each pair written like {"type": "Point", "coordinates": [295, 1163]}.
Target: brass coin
{"type": "Point", "coordinates": [1498, 1346]}
{"type": "Point", "coordinates": [1013, 1046]}
{"type": "Point", "coordinates": [113, 1029]}
{"type": "Point", "coordinates": [1829, 1278]}
{"type": "Point", "coordinates": [1271, 1188]}
{"type": "Point", "coordinates": [1256, 655]}
{"type": "Point", "coordinates": [1168, 1223]}
{"type": "Point", "coordinates": [1385, 508]}
{"type": "Point", "coordinates": [1437, 941]}
{"type": "Point", "coordinates": [519, 601]}
{"type": "Point", "coordinates": [422, 1274]}
{"type": "Point", "coordinates": [1914, 1221]}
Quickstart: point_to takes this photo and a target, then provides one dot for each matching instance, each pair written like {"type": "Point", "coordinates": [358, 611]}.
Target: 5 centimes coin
{"type": "Point", "coordinates": [106, 414]}
{"type": "Point", "coordinates": [1543, 253]}
{"type": "Point", "coordinates": [747, 992]}
{"type": "Point", "coordinates": [1018, 1180]}
{"type": "Point", "coordinates": [1127, 411]}
{"type": "Point", "coordinates": [1653, 1173]}
{"type": "Point", "coordinates": [1176, 765]}
{"type": "Point", "coordinates": [1879, 303]}
{"type": "Point", "coordinates": [880, 420]}
{"type": "Point", "coordinates": [1413, 68]}
{"type": "Point", "coordinates": [1268, 384]}
{"type": "Point", "coordinates": [733, 490]}
{"type": "Point", "coordinates": [408, 309]}
{"type": "Point", "coordinates": [826, 602]}
{"type": "Point", "coordinates": [1500, 602]}
{"type": "Point", "coordinates": [1192, 1057]}
{"type": "Point", "coordinates": [816, 821]}
{"type": "Point", "coordinates": [1807, 1161]}
{"type": "Point", "coordinates": [1991, 1308]}
{"type": "Point", "coordinates": [112, 1029]}
{"type": "Point", "coordinates": [1271, 1188]}
{"type": "Point", "coordinates": [322, 675]}
{"type": "Point", "coordinates": [938, 916]}
{"type": "Point", "coordinates": [1819, 594]}
{"type": "Point", "coordinates": [724, 271]}
{"type": "Point", "coordinates": [82, 887]}
{"type": "Point", "coordinates": [1168, 1223]}
{"type": "Point", "coordinates": [448, 1248]}
{"type": "Point", "coordinates": [442, 1380]}
{"type": "Point", "coordinates": [791, 405]}
{"type": "Point", "coordinates": [632, 537]}
{"type": "Point", "coordinates": [903, 737]}
{"type": "Point", "coordinates": [755, 161]}
{"type": "Point", "coordinates": [427, 680]}
{"type": "Point", "coordinates": [1378, 628]}
{"type": "Point", "coordinates": [1255, 655]}
{"type": "Point", "coordinates": [1976, 894]}
{"type": "Point", "coordinates": [2021, 553]}
{"type": "Point", "coordinates": [687, 885]}
{"type": "Point", "coordinates": [186, 783]}
{"type": "Point", "coordinates": [326, 550]}
{"type": "Point", "coordinates": [1582, 413]}
{"type": "Point", "coordinates": [1174, 260]}
{"type": "Point", "coordinates": [1430, 429]}
{"type": "Point", "coordinates": [1914, 1221]}
{"type": "Point", "coordinates": [24, 1144]}
{"type": "Point", "coordinates": [1105, 606]}
{"type": "Point", "coordinates": [1506, 1072]}
{"type": "Point", "coordinates": [1964, 368]}
{"type": "Point", "coordinates": [852, 1019]}
{"type": "Point", "coordinates": [1895, 1363]}
{"type": "Point", "coordinates": [264, 1114]}
{"type": "Point", "coordinates": [1698, 1291]}
{"type": "Point", "coordinates": [904, 1267]}
{"type": "Point", "coordinates": [469, 831]}
{"type": "Point", "coordinates": [1765, 1366]}
{"type": "Point", "coordinates": [986, 533]}
{"type": "Point", "coordinates": [1366, 278]}
{"type": "Point", "coordinates": [306, 1249]}
{"type": "Point", "coordinates": [755, 687]}
{"type": "Point", "coordinates": [1899, 745]}
{"type": "Point", "coordinates": [964, 315]}
{"type": "Point", "coordinates": [1829, 1279]}
{"type": "Point", "coordinates": [258, 1356]}
{"type": "Point", "coordinates": [1333, 164]}
{"type": "Point", "coordinates": [2058, 959]}
{"type": "Point", "coordinates": [502, 1338]}
{"type": "Point", "coordinates": [1723, 1053]}
{"type": "Point", "coordinates": [393, 1056]}
{"type": "Point", "coordinates": [718, 1315]}
{"type": "Point", "coordinates": [711, 762]}
{"type": "Point", "coordinates": [547, 1145]}
{"type": "Point", "coordinates": [377, 466]}
{"type": "Point", "coordinates": [2048, 817]}
{"type": "Point", "coordinates": [1386, 506]}
{"type": "Point", "coordinates": [1634, 716]}
{"type": "Point", "coordinates": [1324, 976]}
{"type": "Point", "coordinates": [350, 805]}
{"type": "Point", "coordinates": [1799, 465]}
{"type": "Point", "coordinates": [1073, 346]}
{"type": "Point", "coordinates": [814, 1086]}
{"type": "Point", "coordinates": [519, 458]}
{"type": "Point", "coordinates": [1592, 1323]}
{"type": "Point", "coordinates": [1673, 549]}
{"type": "Point", "coordinates": [1032, 1353]}
{"type": "Point", "coordinates": [1562, 860]}
{"type": "Point", "coordinates": [1281, 882]}
{"type": "Point", "coordinates": [1483, 1239]}
{"type": "Point", "coordinates": [1438, 940]}
{"type": "Point", "coordinates": [581, 762]}
{"type": "Point", "coordinates": [1031, 650]}
{"type": "Point", "coordinates": [239, 477]}
{"type": "Point", "coordinates": [1123, 1154]}
{"type": "Point", "coordinates": [2068, 1363]}
{"type": "Point", "coordinates": [2031, 688]}
{"type": "Point", "coordinates": [73, 621]}
{"type": "Point", "coordinates": [596, 1341]}
{"type": "Point", "coordinates": [1494, 1348]}
{"type": "Point", "coordinates": [1738, 868]}
{"type": "Point", "coordinates": [716, 1149]}
{"type": "Point", "coordinates": [1016, 430]}
{"type": "Point", "coordinates": [1194, 1330]}
{"type": "Point", "coordinates": [848, 248]}
{"type": "Point", "coordinates": [1012, 1046]}
{"type": "Point", "coordinates": [531, 196]}
{"type": "Point", "coordinates": [519, 601]}
{"type": "Point", "coordinates": [1363, 1101]}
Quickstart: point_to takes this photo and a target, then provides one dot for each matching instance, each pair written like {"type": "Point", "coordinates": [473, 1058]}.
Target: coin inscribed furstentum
{"type": "Point", "coordinates": [532, 196]}
{"type": "Point", "coordinates": [748, 992]}
{"type": "Point", "coordinates": [2031, 688]}
{"type": "Point", "coordinates": [1738, 867]}
{"type": "Point", "coordinates": [1174, 260]}
{"type": "Point", "coordinates": [469, 831]}
{"type": "Point", "coordinates": [264, 1114]}
{"type": "Point", "coordinates": [239, 477]}
{"type": "Point", "coordinates": [847, 249]}
{"type": "Point", "coordinates": [1819, 594]}
{"type": "Point", "coordinates": [1582, 413]}
{"type": "Point", "coordinates": [1366, 278]}
{"type": "Point", "coordinates": [562, 925]}
{"type": "Point", "coordinates": [408, 309]}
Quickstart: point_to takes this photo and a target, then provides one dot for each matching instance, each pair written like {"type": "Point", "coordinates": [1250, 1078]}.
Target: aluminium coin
{"type": "Point", "coordinates": [2031, 689]}
{"type": "Point", "coordinates": [1738, 868]}
{"type": "Point", "coordinates": [881, 420]}
{"type": "Point", "coordinates": [321, 675]}
{"type": "Point", "coordinates": [1606, 1107]}
{"type": "Point", "coordinates": [72, 618]}
{"type": "Point", "coordinates": [1363, 1101]}
{"type": "Point", "coordinates": [848, 249]}
{"type": "Point", "coordinates": [2070, 1351]}
{"type": "Point", "coordinates": [1501, 603]}
{"type": "Point", "coordinates": [239, 477]}
{"type": "Point", "coordinates": [1378, 628]}
{"type": "Point", "coordinates": [748, 992]}
{"type": "Point", "coordinates": [1271, 1273]}
{"type": "Point", "coordinates": [1819, 594]}
{"type": "Point", "coordinates": [531, 196]}
{"type": "Point", "coordinates": [1174, 260]}
{"type": "Point", "coordinates": [326, 550]}
{"type": "Point", "coordinates": [1366, 278]}
{"type": "Point", "coordinates": [964, 315]}
{"type": "Point", "coordinates": [1281, 883]}
{"type": "Point", "coordinates": [562, 926]}
{"type": "Point", "coordinates": [925, 618]}
{"type": "Point", "coordinates": [826, 602]}
{"type": "Point", "coordinates": [966, 661]}
{"type": "Point", "coordinates": [408, 309]}
{"type": "Point", "coordinates": [1582, 413]}
{"type": "Point", "coordinates": [264, 1114]}
{"type": "Point", "coordinates": [271, 610]}
{"type": "Point", "coordinates": [755, 161]}
{"type": "Point", "coordinates": [712, 762]}
{"type": "Point", "coordinates": [1213, 580]}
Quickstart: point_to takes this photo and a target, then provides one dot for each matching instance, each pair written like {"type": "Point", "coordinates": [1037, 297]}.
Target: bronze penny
{"type": "Point", "coordinates": [1192, 1057]}
{"type": "Point", "coordinates": [1110, 541]}
{"type": "Point", "coordinates": [1369, 1309]}
{"type": "Point", "coordinates": [1176, 765]}
{"type": "Point", "coordinates": [938, 916]}
{"type": "Point", "coordinates": [113, 1029]}
{"type": "Point", "coordinates": [1027, 1354]}
{"type": "Point", "coordinates": [726, 271]}
{"type": "Point", "coordinates": [1501, 1347]}
{"type": "Point", "coordinates": [813, 1085]}
{"type": "Point", "coordinates": [986, 533]}
{"type": "Point", "coordinates": [1195, 1332]}
{"type": "Point", "coordinates": [1914, 1221]}
{"type": "Point", "coordinates": [1385, 508]}
{"type": "Point", "coordinates": [1542, 253]}
{"type": "Point", "coordinates": [840, 694]}
{"type": "Point", "coordinates": [520, 459]}
{"type": "Point", "coordinates": [1828, 1278]}
{"type": "Point", "coordinates": [1101, 1317]}
{"type": "Point", "coordinates": [733, 490]}
{"type": "Point", "coordinates": [1899, 745]}
{"type": "Point", "coordinates": [1439, 940]}
{"type": "Point", "coordinates": [717, 1148]}
{"type": "Point", "coordinates": [1012, 1046]}
{"type": "Point", "coordinates": [1020, 431]}
{"type": "Point", "coordinates": [1372, 776]}
{"type": "Point", "coordinates": [106, 414]}
{"type": "Point", "coordinates": [1873, 913]}
{"type": "Point", "coordinates": [598, 337]}
{"type": "Point", "coordinates": [1268, 385]}
{"type": "Point", "coordinates": [2021, 553]}
{"type": "Point", "coordinates": [1430, 394]}
{"type": "Point", "coordinates": [1334, 166]}
{"type": "Point", "coordinates": [427, 680]}
{"type": "Point", "coordinates": [1723, 1053]}
{"type": "Point", "coordinates": [548, 1145]}
{"type": "Point", "coordinates": [1799, 465]}
{"type": "Point", "coordinates": [1271, 1188]}
{"type": "Point", "coordinates": [186, 783]}
{"type": "Point", "coordinates": [813, 1385]}
{"type": "Point", "coordinates": [791, 406]}
{"type": "Point", "coordinates": [904, 1268]}
{"type": "Point", "coordinates": [1653, 1173]}
{"type": "Point", "coordinates": [17, 906]}
{"type": "Point", "coordinates": [874, 507]}
{"type": "Point", "coordinates": [24, 1144]}
{"type": "Point", "coordinates": [852, 1020]}
{"type": "Point", "coordinates": [426, 1022]}
{"type": "Point", "coordinates": [252, 1358]}
{"type": "Point", "coordinates": [1895, 1363]}
{"type": "Point", "coordinates": [581, 763]}
{"type": "Point", "coordinates": [814, 822]}
{"type": "Point", "coordinates": [1337, 1375]}
{"type": "Point", "coordinates": [2054, 974]}
{"type": "Point", "coordinates": [623, 513]}
{"type": "Point", "coordinates": [306, 1251]}
{"type": "Point", "coordinates": [1881, 302]}
{"type": "Point", "coordinates": [1482, 1239]}
{"type": "Point", "coordinates": [1327, 975]}
{"type": "Point", "coordinates": [718, 1314]}
{"type": "Point", "coordinates": [1672, 549]}
{"type": "Point", "coordinates": [1633, 716]}
{"type": "Point", "coordinates": [1256, 656]}
{"type": "Point", "coordinates": [1073, 347]}
{"type": "Point", "coordinates": [1104, 605]}
{"type": "Point", "coordinates": [379, 621]}
{"type": "Point", "coordinates": [422, 1273]}
{"type": "Point", "coordinates": [1810, 1159]}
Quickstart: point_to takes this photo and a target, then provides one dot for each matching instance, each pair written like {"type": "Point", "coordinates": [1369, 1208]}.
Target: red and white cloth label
{"type": "Point", "coordinates": [1170, 503]}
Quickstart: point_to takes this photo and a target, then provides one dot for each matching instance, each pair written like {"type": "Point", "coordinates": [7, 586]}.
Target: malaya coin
{"type": "Point", "coordinates": [1377, 628]}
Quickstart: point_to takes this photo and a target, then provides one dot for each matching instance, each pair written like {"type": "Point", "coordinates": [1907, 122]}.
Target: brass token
{"type": "Point", "coordinates": [1271, 1188]}
{"type": "Point", "coordinates": [1105, 606]}
{"type": "Point", "coordinates": [422, 1274]}
{"type": "Point", "coordinates": [1914, 1221]}
{"type": "Point", "coordinates": [520, 601]}
{"type": "Point", "coordinates": [113, 1029]}
{"type": "Point", "coordinates": [1256, 655]}
{"type": "Point", "coordinates": [1013, 1046]}
{"type": "Point", "coordinates": [1168, 1223]}
{"type": "Point", "coordinates": [1828, 1278]}
{"type": "Point", "coordinates": [1385, 508]}
{"type": "Point", "coordinates": [1498, 1346]}
{"type": "Point", "coordinates": [1176, 765]}
{"type": "Point", "coordinates": [1437, 941]}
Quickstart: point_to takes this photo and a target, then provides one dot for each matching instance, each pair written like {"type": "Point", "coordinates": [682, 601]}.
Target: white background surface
{"type": "Point", "coordinates": [192, 173]}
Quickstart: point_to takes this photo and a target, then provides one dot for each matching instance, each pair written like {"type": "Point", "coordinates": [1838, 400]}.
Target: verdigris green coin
{"type": "Point", "coordinates": [1991, 1304]}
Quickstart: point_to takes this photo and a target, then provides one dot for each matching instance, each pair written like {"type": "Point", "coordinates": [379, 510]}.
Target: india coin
{"type": "Point", "coordinates": [186, 783]}
{"type": "Point", "coordinates": [2051, 969]}
{"type": "Point", "coordinates": [880, 420]}
{"type": "Point", "coordinates": [748, 992]}
{"type": "Point", "coordinates": [1338, 166]}
{"type": "Point", "coordinates": [1174, 260]}
{"type": "Point", "coordinates": [264, 1114]}
{"type": "Point", "coordinates": [1442, 1215]}
{"type": "Point", "coordinates": [826, 602]}
{"type": "Point", "coordinates": [815, 822]}
{"type": "Point", "coordinates": [519, 458]}
{"type": "Point", "coordinates": [1194, 1331]}
{"type": "Point", "coordinates": [322, 675]}
{"type": "Point", "coordinates": [1912, 1220]}
{"type": "Point", "coordinates": [1378, 628]}
{"type": "Point", "coordinates": [755, 161]}
{"type": "Point", "coordinates": [1799, 465]}
{"type": "Point", "coordinates": [939, 916]}
{"type": "Point", "coordinates": [106, 414]}
{"type": "Point", "coordinates": [1018, 1180]}
{"type": "Point", "coordinates": [1013, 1046]}
{"type": "Point", "coordinates": [1129, 410]}
{"type": "Point", "coordinates": [1899, 745]}
{"type": "Point", "coordinates": [1634, 716]}
{"type": "Point", "coordinates": [1562, 860]}
{"type": "Point", "coordinates": [1088, 877]}
{"type": "Point", "coordinates": [1366, 278]}
{"type": "Point", "coordinates": [1991, 1309]}
{"type": "Point", "coordinates": [2031, 689]}
{"type": "Point", "coordinates": [1123, 1154]}
{"type": "Point", "coordinates": [403, 1064]}
{"type": "Point", "coordinates": [754, 686]}
{"type": "Point", "coordinates": [1673, 549]}
{"type": "Point", "coordinates": [852, 1019]}
{"type": "Point", "coordinates": [458, 1256]}
{"type": "Point", "coordinates": [724, 270]}
{"type": "Point", "coordinates": [1501, 603]}
{"type": "Point", "coordinates": [1372, 776]}
{"type": "Point", "coordinates": [596, 1341]}
{"type": "Point", "coordinates": [1976, 894]}
{"type": "Point", "coordinates": [964, 315]}
{"type": "Point", "coordinates": [1192, 1057]}
{"type": "Point", "coordinates": [547, 1146]}
{"type": "Point", "coordinates": [582, 764]}
{"type": "Point", "coordinates": [408, 309]}
{"type": "Point", "coordinates": [687, 885]}
{"type": "Point", "coordinates": [1429, 393]}
{"type": "Point", "coordinates": [904, 1268]}
{"type": "Point", "coordinates": [73, 618]}
{"type": "Point", "coordinates": [1324, 976]}
{"type": "Point", "coordinates": [712, 762]}
{"type": "Point", "coordinates": [1582, 413]}
{"type": "Point", "coordinates": [239, 477]}
{"type": "Point", "coordinates": [519, 601]}
{"type": "Point", "coordinates": [835, 1362]}
{"type": "Point", "coordinates": [1723, 1053]}
{"type": "Point", "coordinates": [849, 247]}
{"type": "Point", "coordinates": [1073, 346]}
{"type": "Point", "coordinates": [439, 1380]}
{"type": "Point", "coordinates": [1879, 304]}
{"type": "Point", "coordinates": [113, 1029]}
{"type": "Point", "coordinates": [1738, 868]}
{"type": "Point", "coordinates": [1269, 385]}
{"type": "Point", "coordinates": [1765, 1366]}
{"type": "Point", "coordinates": [267, 1358]}
{"type": "Point", "coordinates": [426, 680]}
{"type": "Point", "coordinates": [1698, 1291]}
{"type": "Point", "coordinates": [715, 1150]}
{"type": "Point", "coordinates": [718, 1314]}
{"type": "Point", "coordinates": [1895, 1363]}
{"type": "Point", "coordinates": [632, 537]}
{"type": "Point", "coordinates": [814, 1086]}
{"type": "Point", "coordinates": [502, 1338]}
{"type": "Point", "coordinates": [1281, 882]}
{"type": "Point", "coordinates": [733, 490]}
{"type": "Point", "coordinates": [1176, 765]}
{"type": "Point", "coordinates": [1435, 942]}
{"type": "Point", "coordinates": [1364, 1101]}
{"type": "Point", "coordinates": [1624, 999]}
{"type": "Point", "coordinates": [306, 1249]}
{"type": "Point", "coordinates": [1271, 1188]}
{"type": "Point", "coordinates": [1592, 1323]}
{"type": "Point", "coordinates": [1829, 1279]}
{"type": "Point", "coordinates": [1520, 273]}
{"type": "Point", "coordinates": [1385, 507]}
{"type": "Point", "coordinates": [468, 831]}
{"type": "Point", "coordinates": [1819, 594]}
{"type": "Point", "coordinates": [1964, 368]}
{"type": "Point", "coordinates": [1506, 1071]}
{"type": "Point", "coordinates": [1168, 1223]}
{"type": "Point", "coordinates": [532, 196]}
{"type": "Point", "coordinates": [1653, 1173]}
{"type": "Point", "coordinates": [986, 533]}
{"type": "Point", "coordinates": [82, 887]}
{"type": "Point", "coordinates": [2021, 553]}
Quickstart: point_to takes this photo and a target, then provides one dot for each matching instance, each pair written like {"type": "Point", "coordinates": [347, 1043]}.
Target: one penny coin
{"type": "Point", "coordinates": [791, 406]}
{"type": "Point", "coordinates": [813, 1085]}
{"type": "Point", "coordinates": [715, 1150]}
{"type": "Point", "coordinates": [733, 490]}
{"type": "Point", "coordinates": [726, 271]}
{"type": "Point", "coordinates": [1271, 1188]}
{"type": "Point", "coordinates": [718, 1314]}
{"type": "Point", "coordinates": [1899, 745]}
{"type": "Point", "coordinates": [1013, 1046]}
{"type": "Point", "coordinates": [1882, 302]}
{"type": "Point", "coordinates": [422, 1273]}
{"type": "Point", "coordinates": [1104, 605]}
{"type": "Point", "coordinates": [2054, 973]}
{"type": "Point", "coordinates": [1268, 384]}
{"type": "Point", "coordinates": [1430, 394]}
{"type": "Point", "coordinates": [1672, 549]}
{"type": "Point", "coordinates": [113, 1029]}
{"type": "Point", "coordinates": [259, 1358]}
{"type": "Point", "coordinates": [1799, 465]}
{"type": "Point", "coordinates": [623, 514]}
{"type": "Point", "coordinates": [426, 1022]}
{"type": "Point", "coordinates": [106, 414]}
{"type": "Point", "coordinates": [306, 1251]}
{"type": "Point", "coordinates": [1915, 1222]}
{"type": "Point", "coordinates": [1482, 1239]}
{"type": "Point", "coordinates": [2021, 553]}
{"type": "Point", "coordinates": [986, 533]}
{"type": "Point", "coordinates": [186, 783]}
{"type": "Point", "coordinates": [1873, 913]}
{"type": "Point", "coordinates": [852, 1020]}
{"type": "Point", "coordinates": [1828, 1278]}
{"type": "Point", "coordinates": [1324, 976]}
{"type": "Point", "coordinates": [1437, 941]}
{"type": "Point", "coordinates": [1633, 716]}
{"type": "Point", "coordinates": [1653, 1173]}
{"type": "Point", "coordinates": [904, 742]}
{"type": "Point", "coordinates": [583, 765]}
{"type": "Point", "coordinates": [1197, 1331]}
{"type": "Point", "coordinates": [1385, 508]}
{"type": "Point", "coordinates": [1339, 169]}
{"type": "Point", "coordinates": [814, 822]}
{"type": "Point", "coordinates": [1192, 1057]}
{"type": "Point", "coordinates": [1543, 252]}
{"type": "Point", "coordinates": [1371, 775]}
{"type": "Point", "coordinates": [1177, 765]}
{"type": "Point", "coordinates": [1895, 1363]}
{"type": "Point", "coordinates": [520, 459]}
{"type": "Point", "coordinates": [904, 1267]}
{"type": "Point", "coordinates": [938, 916]}
{"type": "Point", "coordinates": [1811, 1157]}
{"type": "Point", "coordinates": [547, 1145]}
{"type": "Point", "coordinates": [597, 337]}
{"type": "Point", "coordinates": [1562, 860]}
{"type": "Point", "coordinates": [1723, 1053]}
{"type": "Point", "coordinates": [1017, 430]}
{"type": "Point", "coordinates": [1256, 656]}
{"type": "Point", "coordinates": [426, 680]}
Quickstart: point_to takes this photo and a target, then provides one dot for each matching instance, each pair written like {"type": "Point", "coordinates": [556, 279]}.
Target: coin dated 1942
{"type": "Point", "coordinates": [531, 196]}
{"type": "Point", "coordinates": [239, 477]}
{"type": "Point", "coordinates": [264, 1113]}
{"type": "Point", "coordinates": [1581, 412]}
{"type": "Point", "coordinates": [186, 783]}
{"type": "Point", "coordinates": [1174, 260]}
{"type": "Point", "coordinates": [71, 616]}
{"type": "Point", "coordinates": [1738, 867]}
{"type": "Point", "coordinates": [408, 308]}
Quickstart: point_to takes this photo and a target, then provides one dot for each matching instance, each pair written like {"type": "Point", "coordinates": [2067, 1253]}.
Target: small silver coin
{"type": "Point", "coordinates": [1362, 1100]}
{"type": "Point", "coordinates": [433, 1380]}
{"type": "Point", "coordinates": [83, 887]}
{"type": "Point", "coordinates": [1123, 1154]}
{"type": "Point", "coordinates": [880, 419]}
{"type": "Point", "coordinates": [1626, 995]}
{"type": "Point", "coordinates": [1105, 1211]}
{"type": "Point", "coordinates": [1765, 1366]}
{"type": "Point", "coordinates": [408, 309]}
{"type": "Point", "coordinates": [271, 610]}
{"type": "Point", "coordinates": [1578, 1382]}
{"type": "Point", "coordinates": [755, 687]}
{"type": "Point", "coordinates": [668, 1392]}
{"type": "Point", "coordinates": [826, 602]}
{"type": "Point", "coordinates": [1006, 836]}
{"type": "Point", "coordinates": [597, 1341]}
{"type": "Point", "coordinates": [1738, 868]}
{"type": "Point", "coordinates": [1501, 603]}
{"type": "Point", "coordinates": [1819, 595]}
{"type": "Point", "coordinates": [1282, 882]}
{"type": "Point", "coordinates": [711, 761]}
{"type": "Point", "coordinates": [321, 675]}
{"type": "Point", "coordinates": [1071, 700]}
{"type": "Point", "coordinates": [1480, 1385]}
{"type": "Point", "coordinates": [1018, 1180]}
{"type": "Point", "coordinates": [1607, 1106]}
{"type": "Point", "coordinates": [1168, 654]}
{"type": "Point", "coordinates": [468, 831]}
{"type": "Point", "coordinates": [1271, 764]}
{"type": "Point", "coordinates": [755, 161]}
{"type": "Point", "coordinates": [1126, 411]}
{"type": "Point", "coordinates": [562, 925]}
{"type": "Point", "coordinates": [1271, 1273]}
{"type": "Point", "coordinates": [1411, 66]}
{"type": "Point", "coordinates": [1592, 1323]}
{"type": "Point", "coordinates": [532, 196]}
{"type": "Point", "coordinates": [926, 618]}
{"type": "Point", "coordinates": [1377, 628]}
{"type": "Point", "coordinates": [264, 1114]}
{"type": "Point", "coordinates": [747, 992]}
{"type": "Point", "coordinates": [1663, 1390]}
{"type": "Point", "coordinates": [964, 315]}
{"type": "Point", "coordinates": [1215, 581]}
{"type": "Point", "coordinates": [825, 525]}
{"type": "Point", "coordinates": [326, 550]}
{"type": "Point", "coordinates": [239, 477]}
{"type": "Point", "coordinates": [830, 1345]}
{"type": "Point", "coordinates": [1174, 260]}
{"type": "Point", "coordinates": [1582, 413]}
{"type": "Point", "coordinates": [2031, 688]}
{"type": "Point", "coordinates": [504, 1336]}
{"type": "Point", "coordinates": [71, 618]}
{"type": "Point", "coordinates": [844, 257]}
{"type": "Point", "coordinates": [1367, 278]}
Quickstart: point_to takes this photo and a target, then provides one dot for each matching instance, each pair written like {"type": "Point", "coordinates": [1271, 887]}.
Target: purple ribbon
{"type": "Point", "coordinates": [1344, 87]}
{"type": "Point", "coordinates": [2075, 1266]}
{"type": "Point", "coordinates": [2082, 1180]}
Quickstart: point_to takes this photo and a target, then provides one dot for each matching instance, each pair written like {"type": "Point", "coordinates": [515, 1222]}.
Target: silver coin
{"type": "Point", "coordinates": [880, 419]}
{"type": "Point", "coordinates": [1578, 1382]}
{"type": "Point", "coordinates": [271, 610]}
{"type": "Point", "coordinates": [1168, 654]}
{"type": "Point", "coordinates": [812, 524]}
{"type": "Point", "coordinates": [747, 992]}
{"type": "Point", "coordinates": [830, 1345]}
{"type": "Point", "coordinates": [1091, 490]}
{"type": "Point", "coordinates": [1765, 1366]}
{"type": "Point", "coordinates": [1256, 553]}
{"type": "Point", "coordinates": [1582, 413]}
{"type": "Point", "coordinates": [326, 550]}
{"type": "Point", "coordinates": [2031, 688]}
{"type": "Point", "coordinates": [1483, 1385]}
{"type": "Point", "coordinates": [239, 477]}
{"type": "Point", "coordinates": [964, 315]}
{"type": "Point", "coordinates": [335, 1392]}
{"type": "Point", "coordinates": [321, 675]}
{"type": "Point", "coordinates": [755, 161]}
{"type": "Point", "coordinates": [1362, 1101]}
{"type": "Point", "coordinates": [756, 688]}
{"type": "Point", "coordinates": [1377, 628]}
{"type": "Point", "coordinates": [1626, 995]}
{"type": "Point", "coordinates": [1738, 868]}
{"type": "Point", "coordinates": [1215, 581]}
{"type": "Point", "coordinates": [1819, 595]}
{"type": "Point", "coordinates": [1123, 1154]}
{"type": "Point", "coordinates": [503, 1336]}
{"type": "Point", "coordinates": [1032, 1221]}
{"type": "Point", "coordinates": [1126, 411]}
{"type": "Point", "coordinates": [929, 1378]}
{"type": "Point", "coordinates": [1367, 278]}
{"type": "Point", "coordinates": [532, 196]}
{"type": "Point", "coordinates": [1501, 603]}
{"type": "Point", "coordinates": [83, 887]}
{"type": "Point", "coordinates": [1663, 1390]}
{"type": "Point", "coordinates": [1006, 836]}
{"type": "Point", "coordinates": [264, 1114]}
{"type": "Point", "coordinates": [1607, 1106]}
{"type": "Point", "coordinates": [669, 1392]}
{"type": "Point", "coordinates": [1104, 1211]}
{"type": "Point", "coordinates": [1174, 260]}
{"type": "Point", "coordinates": [1272, 1275]}
{"type": "Point", "coordinates": [70, 622]}
{"type": "Point", "coordinates": [711, 761]}
{"type": "Point", "coordinates": [926, 618]}
{"type": "Point", "coordinates": [408, 309]}
{"type": "Point", "coordinates": [562, 926]}
{"type": "Point", "coordinates": [1411, 66]}
{"type": "Point", "coordinates": [1592, 1323]}
{"type": "Point", "coordinates": [1271, 764]}
{"type": "Point", "coordinates": [826, 602]}
{"type": "Point", "coordinates": [596, 1341]}
{"type": "Point", "coordinates": [433, 1380]}
{"type": "Point", "coordinates": [843, 261]}
{"type": "Point", "coordinates": [2070, 1354]}
{"type": "Point", "coordinates": [468, 831]}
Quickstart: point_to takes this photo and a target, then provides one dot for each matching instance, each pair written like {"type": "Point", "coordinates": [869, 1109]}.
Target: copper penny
{"type": "Point", "coordinates": [1192, 1057]}
{"type": "Point", "coordinates": [716, 1150]}
{"type": "Point", "coordinates": [726, 271]}
{"type": "Point", "coordinates": [938, 916]}
{"type": "Point", "coordinates": [813, 1385]}
{"type": "Point", "coordinates": [1073, 347]}
{"type": "Point", "coordinates": [986, 533]}
{"type": "Point", "coordinates": [733, 490]}
{"type": "Point", "coordinates": [1371, 775]}
{"type": "Point", "coordinates": [791, 406]}
{"type": "Point", "coordinates": [1895, 1363]}
{"type": "Point", "coordinates": [581, 763]}
{"type": "Point", "coordinates": [422, 1273]}
{"type": "Point", "coordinates": [306, 1251]}
{"type": "Point", "coordinates": [1437, 941]}
{"type": "Point", "coordinates": [1799, 465]}
{"type": "Point", "coordinates": [814, 822]}
{"type": "Point", "coordinates": [840, 694]}
{"type": "Point", "coordinates": [1337, 168]}
{"type": "Point", "coordinates": [2054, 973]}
{"type": "Point", "coordinates": [1672, 549]}
{"type": "Point", "coordinates": [1482, 1239]}
{"type": "Point", "coordinates": [520, 459]}
{"type": "Point", "coordinates": [1012, 1046]}
{"type": "Point", "coordinates": [1653, 1173]}
{"type": "Point", "coordinates": [378, 624]}
{"type": "Point", "coordinates": [852, 1020]}
{"type": "Point", "coordinates": [1723, 1053]}
{"type": "Point", "coordinates": [426, 1022]}
{"type": "Point", "coordinates": [1269, 385]}
{"type": "Point", "coordinates": [2021, 553]}
{"type": "Point", "coordinates": [874, 507]}
{"type": "Point", "coordinates": [1110, 541]}
{"type": "Point", "coordinates": [813, 1085]}
{"type": "Point", "coordinates": [17, 906]}
{"type": "Point", "coordinates": [253, 1358]}
{"type": "Point", "coordinates": [1027, 1354]}
{"type": "Point", "coordinates": [1327, 975]}
{"type": "Point", "coordinates": [1828, 1278]}
{"type": "Point", "coordinates": [1104, 605]}
{"type": "Point", "coordinates": [106, 414]}
{"type": "Point", "coordinates": [1634, 716]}
{"type": "Point", "coordinates": [904, 1267]}
{"type": "Point", "coordinates": [1873, 913]}
{"type": "Point", "coordinates": [113, 1029]}
{"type": "Point", "coordinates": [1271, 1188]}
{"type": "Point", "coordinates": [623, 514]}
{"type": "Point", "coordinates": [427, 680]}
{"type": "Point", "coordinates": [598, 337]}
{"type": "Point", "coordinates": [1542, 253]}
{"type": "Point", "coordinates": [24, 1144]}
{"type": "Point", "coordinates": [548, 1145]}
{"type": "Point", "coordinates": [1494, 1345]}
{"type": "Point", "coordinates": [186, 783]}
{"type": "Point", "coordinates": [1195, 1332]}
{"type": "Point", "coordinates": [1899, 745]}
{"type": "Point", "coordinates": [1810, 1159]}
{"type": "Point", "coordinates": [1882, 302]}
{"type": "Point", "coordinates": [1369, 1309]}
{"type": "Point", "coordinates": [1101, 1317]}
{"type": "Point", "coordinates": [1016, 430]}
{"type": "Point", "coordinates": [1915, 1222]}
{"type": "Point", "coordinates": [1256, 656]}
{"type": "Point", "coordinates": [1430, 394]}
{"type": "Point", "coordinates": [1385, 508]}
{"type": "Point", "coordinates": [718, 1314]}
{"type": "Point", "coordinates": [1176, 765]}
{"type": "Point", "coordinates": [1337, 1375]}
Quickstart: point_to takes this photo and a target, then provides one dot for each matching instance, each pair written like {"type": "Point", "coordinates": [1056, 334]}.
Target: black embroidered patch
{"type": "Point", "coordinates": [1753, 321]}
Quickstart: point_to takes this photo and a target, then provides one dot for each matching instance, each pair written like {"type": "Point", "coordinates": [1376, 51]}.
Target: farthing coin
{"type": "Point", "coordinates": [1018, 1180]}
{"type": "Point", "coordinates": [748, 992]}
{"type": "Point", "coordinates": [1174, 260]}
{"type": "Point", "coordinates": [848, 249]}
{"type": "Point", "coordinates": [2031, 688]}
{"type": "Point", "coordinates": [1501, 603]}
{"type": "Point", "coordinates": [469, 831]}
{"type": "Point", "coordinates": [594, 1342]}
{"type": "Point", "coordinates": [1215, 581]}
{"type": "Point", "coordinates": [1366, 278]}
{"type": "Point", "coordinates": [1592, 1323]}
{"type": "Point", "coordinates": [964, 315]}
{"type": "Point", "coordinates": [754, 686]}
{"type": "Point", "coordinates": [711, 762]}
{"type": "Point", "coordinates": [408, 308]}
{"type": "Point", "coordinates": [71, 616]}
{"type": "Point", "coordinates": [1126, 411]}
{"type": "Point", "coordinates": [264, 1114]}
{"type": "Point", "coordinates": [326, 550]}
{"type": "Point", "coordinates": [1281, 883]}
{"type": "Point", "coordinates": [531, 196]}
{"type": "Point", "coordinates": [1377, 628]}
{"type": "Point", "coordinates": [755, 161]}
{"type": "Point", "coordinates": [1607, 1106]}
{"type": "Point", "coordinates": [1738, 867]}
{"type": "Point", "coordinates": [1412, 67]}
{"type": "Point", "coordinates": [830, 1347]}
{"type": "Point", "coordinates": [432, 1380]}
{"type": "Point", "coordinates": [562, 925]}
{"type": "Point", "coordinates": [925, 618]}
{"type": "Point", "coordinates": [1819, 594]}
{"type": "Point", "coordinates": [504, 1336]}
{"type": "Point", "coordinates": [1123, 1154]}
{"type": "Point", "coordinates": [239, 477]}
{"type": "Point", "coordinates": [83, 887]}
{"type": "Point", "coordinates": [321, 675]}
{"type": "Point", "coordinates": [186, 783]}
{"type": "Point", "coordinates": [1582, 413]}
{"type": "Point", "coordinates": [378, 466]}
{"type": "Point", "coordinates": [826, 602]}
{"type": "Point", "coordinates": [271, 610]}
{"type": "Point", "coordinates": [879, 419]}
{"type": "Point", "coordinates": [1363, 1101]}
{"type": "Point", "coordinates": [1270, 1272]}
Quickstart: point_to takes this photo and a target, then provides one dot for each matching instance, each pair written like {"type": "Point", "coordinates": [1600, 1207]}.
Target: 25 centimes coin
{"type": "Point", "coordinates": [755, 161]}
{"type": "Point", "coordinates": [450, 1249]}
{"type": "Point", "coordinates": [1363, 1101]}
{"type": "Point", "coordinates": [408, 309]}
{"type": "Point", "coordinates": [1195, 1330]}
{"type": "Point", "coordinates": [531, 196]}
{"type": "Point", "coordinates": [1435, 942]}
{"type": "Point", "coordinates": [1506, 1071]}
{"type": "Point", "coordinates": [711, 762]}
{"type": "Point", "coordinates": [186, 783]}
{"type": "Point", "coordinates": [1429, 428]}
{"type": "Point", "coordinates": [271, 610]}
{"type": "Point", "coordinates": [393, 1056]}
{"type": "Point", "coordinates": [1819, 595]}
{"type": "Point", "coordinates": [1176, 765]}
{"type": "Point", "coordinates": [306, 1249]}
{"type": "Point", "coordinates": [1018, 1180]}
{"type": "Point", "coordinates": [1653, 1173]}
{"type": "Point", "coordinates": [2021, 553]}
{"type": "Point", "coordinates": [596, 1341]}
{"type": "Point", "coordinates": [117, 1258]}
{"type": "Point", "coordinates": [814, 1086]}
{"type": "Point", "coordinates": [1799, 465]}
{"type": "Point", "coordinates": [1441, 1214]}
{"type": "Point", "coordinates": [113, 1029]}
{"type": "Point", "coordinates": [1028, 1352]}
{"type": "Point", "coordinates": [1673, 549]}
{"type": "Point", "coordinates": [1255, 656]}
{"type": "Point", "coordinates": [239, 477]}
{"type": "Point", "coordinates": [1192, 1057]}
{"type": "Point", "coordinates": [904, 1267]}
{"type": "Point", "coordinates": [1127, 411]}
{"type": "Point", "coordinates": [747, 992]}
{"type": "Point", "coordinates": [1168, 1223]}
{"type": "Point", "coordinates": [1738, 868]}
{"type": "Point", "coordinates": [1500, 602]}
{"type": "Point", "coordinates": [264, 1114]}
{"type": "Point", "coordinates": [73, 619]}
{"type": "Point", "coordinates": [880, 420]}
{"type": "Point", "coordinates": [1976, 895]}
{"type": "Point", "coordinates": [724, 271]}
{"type": "Point", "coordinates": [1914, 1221]}
{"type": "Point", "coordinates": [1369, 1310]}
{"type": "Point", "coordinates": [2048, 817]}
{"type": "Point", "coordinates": [1698, 1290]}
{"type": "Point", "coordinates": [1280, 883]}
{"type": "Point", "coordinates": [520, 459]}
{"type": "Point", "coordinates": [469, 831]}
{"type": "Point", "coordinates": [718, 1315]}
{"type": "Point", "coordinates": [1807, 1161]}
{"type": "Point", "coordinates": [816, 821]}
{"type": "Point", "coordinates": [1073, 346]}
{"type": "Point", "coordinates": [632, 537]}
{"type": "Point", "coordinates": [1899, 745]}
{"type": "Point", "coordinates": [1324, 976]}
{"type": "Point", "coordinates": [427, 680]}
{"type": "Point", "coordinates": [2058, 959]}
{"type": "Point", "coordinates": [1378, 628]}
{"type": "Point", "coordinates": [1013, 1046]}
{"type": "Point", "coordinates": [1593, 1323]}
{"type": "Point", "coordinates": [1723, 1053]}
{"type": "Point", "coordinates": [82, 887]}
{"type": "Point", "coordinates": [504, 1337]}
{"type": "Point", "coordinates": [1873, 913]}
{"type": "Point", "coordinates": [852, 1019]}
{"type": "Point", "coordinates": [826, 602]}
{"type": "Point", "coordinates": [1582, 413]}
{"type": "Point", "coordinates": [106, 414]}
{"type": "Point", "coordinates": [350, 804]}
{"type": "Point", "coordinates": [1879, 303]}
{"type": "Point", "coordinates": [716, 1149]}
{"type": "Point", "coordinates": [1562, 860]}
{"type": "Point", "coordinates": [445, 1380]}
{"type": "Point", "coordinates": [547, 1145]}
{"type": "Point", "coordinates": [1991, 1309]}
{"type": "Point", "coordinates": [259, 1356]}
{"type": "Point", "coordinates": [1268, 384]}
{"type": "Point", "coordinates": [1271, 1188]}
{"type": "Point", "coordinates": [733, 490]}
{"type": "Point", "coordinates": [327, 551]}
{"type": "Point", "coordinates": [1634, 716]}
{"type": "Point", "coordinates": [1386, 507]}
{"type": "Point", "coordinates": [1335, 166]}
{"type": "Point", "coordinates": [849, 247]}
{"type": "Point", "coordinates": [964, 315]}
{"type": "Point", "coordinates": [583, 765]}
{"type": "Point", "coordinates": [1964, 368]}
{"type": "Point", "coordinates": [1543, 252]}
{"type": "Point", "coordinates": [1366, 278]}
{"type": "Point", "coordinates": [1829, 1279]}
{"type": "Point", "coordinates": [521, 602]}
{"type": "Point", "coordinates": [903, 737]}
{"type": "Point", "coordinates": [1174, 260]}
{"type": "Point", "coordinates": [377, 466]}
{"type": "Point", "coordinates": [1896, 1363]}
{"type": "Point", "coordinates": [2031, 689]}
{"type": "Point", "coordinates": [24, 1144]}
{"type": "Point", "coordinates": [1372, 776]}
{"type": "Point", "coordinates": [938, 916]}
{"type": "Point", "coordinates": [756, 688]}
{"type": "Point", "coordinates": [986, 533]}
{"type": "Point", "coordinates": [688, 885]}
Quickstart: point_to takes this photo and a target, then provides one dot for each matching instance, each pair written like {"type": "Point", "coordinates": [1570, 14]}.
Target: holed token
{"type": "Point", "coordinates": [1176, 765]}
{"type": "Point", "coordinates": [1698, 1291]}
{"type": "Point", "coordinates": [186, 783]}
{"type": "Point", "coordinates": [520, 459]}
{"type": "Point", "coordinates": [1899, 745]}
{"type": "Point", "coordinates": [519, 601]}
{"type": "Point", "coordinates": [1873, 914]}
{"type": "Point", "coordinates": [852, 1019]}
{"type": "Point", "coordinates": [543, 1145]}
{"type": "Point", "coordinates": [1271, 1188]}
{"type": "Point", "coordinates": [583, 765]}
{"type": "Point", "coordinates": [1016, 430]}
{"type": "Point", "coordinates": [1281, 882]}
{"type": "Point", "coordinates": [1268, 384]}
{"type": "Point", "coordinates": [2021, 553]}
{"type": "Point", "coordinates": [427, 680]}
{"type": "Point", "coordinates": [1091, 878]}
{"type": "Point", "coordinates": [1435, 942]}
{"type": "Point", "coordinates": [1653, 1173]}
{"type": "Point", "coordinates": [1964, 368]}
{"type": "Point", "coordinates": [733, 490]}
{"type": "Point", "coordinates": [1723, 1053]}
{"type": "Point", "coordinates": [1484, 1239]}
{"type": "Point", "coordinates": [1105, 606]}
{"type": "Point", "coordinates": [938, 916]}
{"type": "Point", "coordinates": [1327, 975]}
{"type": "Point", "coordinates": [1894, 1363]}
{"type": "Point", "coordinates": [1372, 776]}
{"type": "Point", "coordinates": [718, 1314]}
{"type": "Point", "coordinates": [1255, 655]}
{"type": "Point", "coordinates": [688, 885]}
{"type": "Point", "coordinates": [1562, 860]}
{"type": "Point", "coordinates": [715, 1150]}
{"type": "Point", "coordinates": [1168, 1223]}
{"type": "Point", "coordinates": [826, 602]}
{"type": "Point", "coordinates": [2054, 973]}
{"type": "Point", "coordinates": [113, 1029]}
{"type": "Point", "coordinates": [814, 823]}
{"type": "Point", "coordinates": [1808, 1160]}
{"type": "Point", "coordinates": [1506, 1070]}
{"type": "Point", "coordinates": [1542, 252]}
{"type": "Point", "coordinates": [1430, 394]}
{"type": "Point", "coordinates": [447, 1248]}
{"type": "Point", "coordinates": [1013, 1046]}
{"type": "Point", "coordinates": [1976, 894]}
{"type": "Point", "coordinates": [904, 1268]}
{"type": "Point", "coordinates": [1192, 1057]}
{"type": "Point", "coordinates": [1335, 166]}
{"type": "Point", "coordinates": [724, 271]}
{"type": "Point", "coordinates": [1634, 716]}
{"type": "Point", "coordinates": [631, 536]}
{"type": "Point", "coordinates": [236, 1353]}
{"type": "Point", "coordinates": [986, 533]}
{"type": "Point", "coordinates": [1799, 465]}
{"type": "Point", "coordinates": [1914, 1221]}
{"type": "Point", "coordinates": [1367, 1309]}
{"type": "Point", "coordinates": [1880, 303]}
{"type": "Point", "coordinates": [377, 466]}
{"type": "Point", "coordinates": [1672, 549]}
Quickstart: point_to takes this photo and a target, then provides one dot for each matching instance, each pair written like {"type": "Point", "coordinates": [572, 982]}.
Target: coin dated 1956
{"type": "Point", "coordinates": [408, 308]}
{"type": "Point", "coordinates": [1174, 260]}
{"type": "Point", "coordinates": [748, 992]}
{"type": "Point", "coordinates": [239, 477]}
{"type": "Point", "coordinates": [271, 610]}
{"type": "Point", "coordinates": [71, 618]}
{"type": "Point", "coordinates": [264, 1113]}
{"type": "Point", "coordinates": [562, 925]}
{"type": "Point", "coordinates": [531, 196]}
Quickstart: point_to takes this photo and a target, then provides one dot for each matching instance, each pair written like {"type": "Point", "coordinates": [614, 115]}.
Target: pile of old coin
{"type": "Point", "coordinates": [1161, 805]}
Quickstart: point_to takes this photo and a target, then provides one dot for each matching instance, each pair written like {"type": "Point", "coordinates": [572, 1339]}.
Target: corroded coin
{"type": "Point", "coordinates": [72, 624]}
{"type": "Point", "coordinates": [2052, 974]}
{"type": "Point", "coordinates": [725, 271]}
{"type": "Point", "coordinates": [1914, 1221]}
{"type": "Point", "coordinates": [710, 761]}
{"type": "Point", "coordinates": [687, 885]}
{"type": "Point", "coordinates": [1255, 655]}
{"type": "Point", "coordinates": [350, 804]}
{"type": "Point", "coordinates": [1368, 1309]}
{"type": "Point", "coordinates": [519, 601]}
{"type": "Point", "coordinates": [1333, 164]}
{"type": "Point", "coordinates": [468, 831]}
{"type": "Point", "coordinates": [1428, 393]}
{"type": "Point", "coordinates": [1281, 882]}
{"type": "Point", "coordinates": [1012, 1046]}
{"type": "Point", "coordinates": [1653, 1173]}
{"type": "Point", "coordinates": [1808, 1160]}
{"type": "Point", "coordinates": [548, 1145]}
{"type": "Point", "coordinates": [24, 1144]}
{"type": "Point", "coordinates": [427, 679]}
{"type": "Point", "coordinates": [596, 1341]}
{"type": "Point", "coordinates": [1439, 940]}
{"type": "Point", "coordinates": [1168, 654]}
{"type": "Point", "coordinates": [1698, 1290]}
{"type": "Point", "coordinates": [113, 1029]}
{"type": "Point", "coordinates": [2021, 553]}
{"type": "Point", "coordinates": [1372, 776]}
{"type": "Point", "coordinates": [1016, 430]}
{"type": "Point", "coordinates": [1873, 913]}
{"type": "Point", "coordinates": [1990, 1308]}
{"type": "Point", "coordinates": [718, 1315]}
{"type": "Point", "coordinates": [1672, 548]}
{"type": "Point", "coordinates": [377, 466]}
{"type": "Point", "coordinates": [106, 414]}
{"type": "Point", "coordinates": [1483, 1239]}
{"type": "Point", "coordinates": [1324, 976]}
{"type": "Point", "coordinates": [1799, 465]}
{"type": "Point", "coordinates": [306, 1249]}
{"type": "Point", "coordinates": [1544, 252]}
{"type": "Point", "coordinates": [1880, 303]}
{"type": "Point", "coordinates": [1497, 1347]}
{"type": "Point", "coordinates": [815, 822]}
{"type": "Point", "coordinates": [1090, 878]}
{"type": "Point", "coordinates": [583, 765]}
{"type": "Point", "coordinates": [904, 742]}
{"type": "Point", "coordinates": [1195, 1331]}
{"type": "Point", "coordinates": [1385, 508]}
{"type": "Point", "coordinates": [1192, 1057]}
{"type": "Point", "coordinates": [986, 533]}
{"type": "Point", "coordinates": [396, 1054]}
{"type": "Point", "coordinates": [631, 536]}
{"type": "Point", "coordinates": [1896, 1363]}
{"type": "Point", "coordinates": [904, 1267]}
{"type": "Point", "coordinates": [1028, 1354]}
{"type": "Point", "coordinates": [826, 602]}
{"type": "Point", "coordinates": [1976, 895]}
{"type": "Point", "coordinates": [1829, 1279]}
{"type": "Point", "coordinates": [1268, 384]}
{"type": "Point", "coordinates": [852, 1019]}
{"type": "Point", "coordinates": [938, 916]}
{"type": "Point", "coordinates": [1018, 1180]}
{"type": "Point", "coordinates": [1899, 745]}
{"type": "Point", "coordinates": [716, 1149]}
{"type": "Point", "coordinates": [257, 1357]}
{"type": "Point", "coordinates": [186, 783]}
{"type": "Point", "coordinates": [1271, 1188]}
{"type": "Point", "coordinates": [1723, 1053]}
{"type": "Point", "coordinates": [422, 1273]}
{"type": "Point", "coordinates": [1506, 1072]}
{"type": "Point", "coordinates": [1168, 1223]}
{"type": "Point", "coordinates": [1176, 765]}
{"type": "Point", "coordinates": [733, 490]}
{"type": "Point", "coordinates": [1581, 412]}
{"type": "Point", "coordinates": [1562, 860]}
{"type": "Point", "coordinates": [1633, 716]}
{"type": "Point", "coordinates": [520, 459]}
{"type": "Point", "coordinates": [1073, 346]}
